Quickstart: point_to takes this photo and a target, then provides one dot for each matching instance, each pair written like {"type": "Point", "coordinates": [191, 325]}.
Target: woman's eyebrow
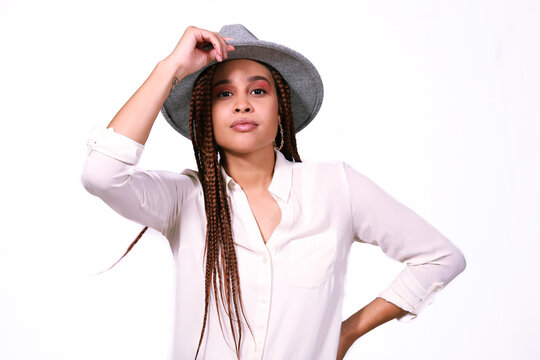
{"type": "Point", "coordinates": [221, 82]}
{"type": "Point", "coordinates": [250, 79]}
{"type": "Point", "coordinates": [258, 77]}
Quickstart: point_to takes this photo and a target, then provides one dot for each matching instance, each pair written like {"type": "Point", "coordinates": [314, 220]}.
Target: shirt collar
{"type": "Point", "coordinates": [281, 180]}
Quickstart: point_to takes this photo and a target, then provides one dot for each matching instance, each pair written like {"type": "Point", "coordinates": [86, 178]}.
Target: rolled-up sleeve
{"type": "Point", "coordinates": [432, 260]}
{"type": "Point", "coordinates": [148, 197]}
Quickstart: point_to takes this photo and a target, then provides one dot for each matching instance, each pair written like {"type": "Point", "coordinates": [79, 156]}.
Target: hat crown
{"type": "Point", "coordinates": [238, 32]}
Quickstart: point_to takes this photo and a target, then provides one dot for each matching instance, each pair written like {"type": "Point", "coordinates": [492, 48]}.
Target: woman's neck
{"type": "Point", "coordinates": [251, 171]}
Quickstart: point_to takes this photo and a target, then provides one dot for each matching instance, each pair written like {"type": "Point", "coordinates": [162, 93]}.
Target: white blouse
{"type": "Point", "coordinates": [292, 286]}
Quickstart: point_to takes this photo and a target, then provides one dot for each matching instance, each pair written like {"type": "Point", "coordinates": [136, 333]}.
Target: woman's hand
{"type": "Point", "coordinates": [136, 118]}
{"type": "Point", "coordinates": [190, 54]}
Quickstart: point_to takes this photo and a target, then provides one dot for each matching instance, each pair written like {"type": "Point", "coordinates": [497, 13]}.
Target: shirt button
{"type": "Point", "coordinates": [265, 260]}
{"type": "Point", "coordinates": [263, 300]}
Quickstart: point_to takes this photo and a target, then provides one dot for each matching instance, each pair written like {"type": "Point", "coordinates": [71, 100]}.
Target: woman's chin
{"type": "Point", "coordinates": [247, 148]}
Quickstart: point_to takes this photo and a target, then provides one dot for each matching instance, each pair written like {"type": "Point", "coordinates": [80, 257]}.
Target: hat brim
{"type": "Point", "coordinates": [303, 78]}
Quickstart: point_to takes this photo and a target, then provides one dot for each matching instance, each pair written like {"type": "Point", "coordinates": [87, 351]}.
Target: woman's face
{"type": "Point", "coordinates": [244, 107]}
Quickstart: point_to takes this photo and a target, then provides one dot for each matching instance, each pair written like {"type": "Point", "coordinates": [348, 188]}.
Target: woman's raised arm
{"type": "Point", "coordinates": [136, 118]}
{"type": "Point", "coordinates": [151, 198]}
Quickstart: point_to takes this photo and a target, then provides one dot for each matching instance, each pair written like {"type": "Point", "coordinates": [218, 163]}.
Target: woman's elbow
{"type": "Point", "coordinates": [95, 178]}
{"type": "Point", "coordinates": [456, 262]}
{"type": "Point", "coordinates": [102, 173]}
{"type": "Point", "coordinates": [92, 181]}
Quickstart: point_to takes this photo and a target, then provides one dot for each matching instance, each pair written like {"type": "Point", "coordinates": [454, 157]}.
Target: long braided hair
{"type": "Point", "coordinates": [221, 264]}
{"type": "Point", "coordinates": [221, 256]}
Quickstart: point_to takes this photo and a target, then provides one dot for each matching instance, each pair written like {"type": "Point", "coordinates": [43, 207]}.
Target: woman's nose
{"type": "Point", "coordinates": [242, 108]}
{"type": "Point", "coordinates": [242, 105]}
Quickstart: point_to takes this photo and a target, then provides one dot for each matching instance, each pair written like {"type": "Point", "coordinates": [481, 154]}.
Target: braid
{"type": "Point", "coordinates": [221, 259]}
{"type": "Point", "coordinates": [128, 249]}
{"type": "Point", "coordinates": [287, 118]}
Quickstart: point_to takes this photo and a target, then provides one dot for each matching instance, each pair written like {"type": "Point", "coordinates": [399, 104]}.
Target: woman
{"type": "Point", "coordinates": [269, 235]}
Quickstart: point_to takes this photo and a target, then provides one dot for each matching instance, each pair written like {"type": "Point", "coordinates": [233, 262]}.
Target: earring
{"type": "Point", "coordinates": [282, 140]}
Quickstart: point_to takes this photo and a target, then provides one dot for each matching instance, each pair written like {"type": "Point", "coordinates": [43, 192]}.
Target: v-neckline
{"type": "Point", "coordinates": [255, 224]}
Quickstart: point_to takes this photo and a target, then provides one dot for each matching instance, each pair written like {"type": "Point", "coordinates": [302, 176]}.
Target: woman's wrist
{"type": "Point", "coordinates": [369, 317]}
{"type": "Point", "coordinates": [352, 329]}
{"type": "Point", "coordinates": [176, 70]}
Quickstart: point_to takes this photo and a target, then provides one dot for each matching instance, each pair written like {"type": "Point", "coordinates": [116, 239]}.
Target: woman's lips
{"type": "Point", "coordinates": [243, 125]}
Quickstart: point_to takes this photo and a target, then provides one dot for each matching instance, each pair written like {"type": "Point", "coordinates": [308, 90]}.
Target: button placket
{"type": "Point", "coordinates": [263, 301]}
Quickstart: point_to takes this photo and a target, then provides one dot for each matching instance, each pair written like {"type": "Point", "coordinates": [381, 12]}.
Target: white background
{"type": "Point", "coordinates": [436, 101]}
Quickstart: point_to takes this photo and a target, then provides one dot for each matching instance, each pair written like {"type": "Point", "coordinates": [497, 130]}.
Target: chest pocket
{"type": "Point", "coordinates": [311, 259]}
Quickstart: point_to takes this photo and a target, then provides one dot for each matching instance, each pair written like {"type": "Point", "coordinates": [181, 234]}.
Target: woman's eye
{"type": "Point", "coordinates": [259, 91]}
{"type": "Point", "coordinates": [224, 93]}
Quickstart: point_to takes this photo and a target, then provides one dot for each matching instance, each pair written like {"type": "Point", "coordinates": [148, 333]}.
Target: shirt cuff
{"type": "Point", "coordinates": [115, 145]}
{"type": "Point", "coordinates": [408, 294]}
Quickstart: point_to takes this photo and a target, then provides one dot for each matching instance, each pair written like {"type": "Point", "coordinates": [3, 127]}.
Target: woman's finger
{"type": "Point", "coordinates": [213, 54]}
{"type": "Point", "coordinates": [222, 47]}
{"type": "Point", "coordinates": [204, 37]}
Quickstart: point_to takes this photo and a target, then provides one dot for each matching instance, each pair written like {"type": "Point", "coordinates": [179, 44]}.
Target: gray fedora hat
{"type": "Point", "coordinates": [304, 80]}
